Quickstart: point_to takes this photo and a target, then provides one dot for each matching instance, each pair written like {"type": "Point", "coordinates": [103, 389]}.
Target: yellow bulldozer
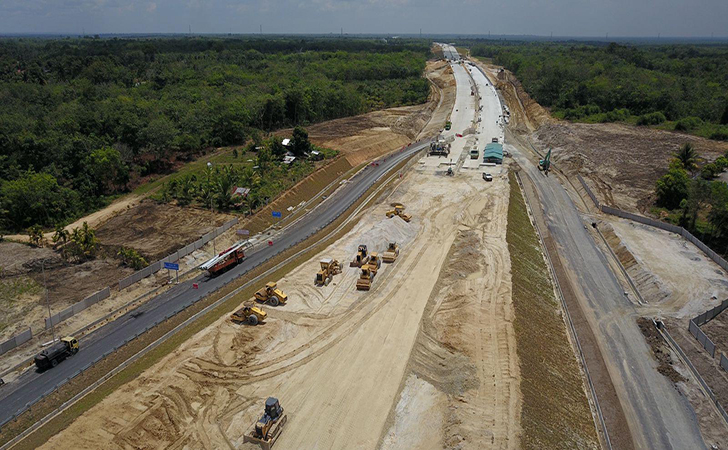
{"type": "Point", "coordinates": [392, 253]}
{"type": "Point", "coordinates": [329, 268]}
{"type": "Point", "coordinates": [398, 210]}
{"type": "Point", "coordinates": [361, 258]}
{"type": "Point", "coordinates": [252, 315]}
{"type": "Point", "coordinates": [364, 283]}
{"type": "Point", "coordinates": [271, 295]}
{"type": "Point", "coordinates": [268, 429]}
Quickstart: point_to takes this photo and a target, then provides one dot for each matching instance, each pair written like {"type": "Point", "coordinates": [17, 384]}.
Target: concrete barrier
{"type": "Point", "coordinates": [15, 341]}
{"type": "Point", "coordinates": [77, 307]}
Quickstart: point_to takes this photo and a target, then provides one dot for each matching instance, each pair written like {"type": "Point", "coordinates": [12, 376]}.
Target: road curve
{"type": "Point", "coordinates": [31, 386]}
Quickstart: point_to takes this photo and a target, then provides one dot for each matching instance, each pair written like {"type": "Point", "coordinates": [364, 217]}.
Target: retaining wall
{"type": "Point", "coordinates": [16, 340]}
{"type": "Point", "coordinates": [77, 307]}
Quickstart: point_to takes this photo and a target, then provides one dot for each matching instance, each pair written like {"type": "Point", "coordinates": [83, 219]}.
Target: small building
{"type": "Point", "coordinates": [493, 153]}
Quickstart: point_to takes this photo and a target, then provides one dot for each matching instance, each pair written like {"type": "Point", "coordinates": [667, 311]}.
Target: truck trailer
{"type": "Point", "coordinates": [226, 258]}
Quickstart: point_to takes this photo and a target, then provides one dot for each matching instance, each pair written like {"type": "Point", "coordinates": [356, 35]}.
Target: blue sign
{"type": "Point", "coordinates": [277, 214]}
{"type": "Point", "coordinates": [171, 266]}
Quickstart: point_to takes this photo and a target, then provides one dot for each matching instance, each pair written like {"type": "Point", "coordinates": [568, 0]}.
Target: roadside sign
{"type": "Point", "coordinates": [277, 214]}
{"type": "Point", "coordinates": [243, 232]}
{"type": "Point", "coordinates": [171, 266]}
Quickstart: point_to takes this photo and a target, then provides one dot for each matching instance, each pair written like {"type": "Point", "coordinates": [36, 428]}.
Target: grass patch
{"type": "Point", "coordinates": [14, 288]}
{"type": "Point", "coordinates": [555, 412]}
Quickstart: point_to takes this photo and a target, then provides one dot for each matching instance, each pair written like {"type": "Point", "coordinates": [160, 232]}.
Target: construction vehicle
{"type": "Point", "coordinates": [391, 254]}
{"type": "Point", "coordinates": [494, 140]}
{"type": "Point", "coordinates": [271, 295]}
{"type": "Point", "coordinates": [361, 258]}
{"type": "Point", "coordinates": [474, 153]}
{"type": "Point", "coordinates": [268, 429]}
{"type": "Point", "coordinates": [375, 262]}
{"type": "Point", "coordinates": [50, 357]}
{"type": "Point", "coordinates": [329, 268]}
{"type": "Point", "coordinates": [450, 172]}
{"type": "Point", "coordinates": [487, 176]}
{"type": "Point", "coordinates": [226, 258]}
{"type": "Point", "coordinates": [364, 283]}
{"type": "Point", "coordinates": [398, 211]}
{"type": "Point", "coordinates": [252, 315]}
{"type": "Point", "coordinates": [439, 148]}
{"type": "Point", "coordinates": [545, 164]}
{"type": "Point", "coordinates": [448, 125]}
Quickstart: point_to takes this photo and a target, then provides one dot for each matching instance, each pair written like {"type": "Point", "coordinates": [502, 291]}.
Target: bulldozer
{"type": "Point", "coordinates": [268, 429]}
{"type": "Point", "coordinates": [361, 258]}
{"type": "Point", "coordinates": [271, 295]}
{"type": "Point", "coordinates": [252, 315]}
{"type": "Point", "coordinates": [392, 253]}
{"type": "Point", "coordinates": [364, 283]}
{"type": "Point", "coordinates": [329, 268]}
{"type": "Point", "coordinates": [398, 211]}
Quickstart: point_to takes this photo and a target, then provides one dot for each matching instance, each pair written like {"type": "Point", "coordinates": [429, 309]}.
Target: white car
{"type": "Point", "coordinates": [487, 176]}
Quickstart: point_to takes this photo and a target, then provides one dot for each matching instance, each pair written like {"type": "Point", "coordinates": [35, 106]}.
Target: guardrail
{"type": "Point", "coordinates": [174, 313]}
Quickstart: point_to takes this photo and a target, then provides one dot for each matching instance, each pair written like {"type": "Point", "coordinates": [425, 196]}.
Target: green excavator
{"type": "Point", "coordinates": [545, 164]}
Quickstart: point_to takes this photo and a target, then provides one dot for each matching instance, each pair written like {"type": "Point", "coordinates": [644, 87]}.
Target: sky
{"type": "Point", "coordinates": [597, 18]}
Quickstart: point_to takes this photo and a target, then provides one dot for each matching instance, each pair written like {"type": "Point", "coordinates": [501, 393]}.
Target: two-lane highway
{"type": "Point", "coordinates": [32, 385]}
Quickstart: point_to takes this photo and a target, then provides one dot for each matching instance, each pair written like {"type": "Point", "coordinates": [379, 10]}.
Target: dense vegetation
{"type": "Point", "coordinates": [82, 120]}
{"type": "Point", "coordinates": [680, 87]}
{"type": "Point", "coordinates": [692, 198]}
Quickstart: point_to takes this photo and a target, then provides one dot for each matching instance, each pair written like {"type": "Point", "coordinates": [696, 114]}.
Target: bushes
{"type": "Point", "coordinates": [688, 124]}
{"type": "Point", "coordinates": [654, 118]}
{"type": "Point", "coordinates": [672, 188]}
{"type": "Point", "coordinates": [132, 258]}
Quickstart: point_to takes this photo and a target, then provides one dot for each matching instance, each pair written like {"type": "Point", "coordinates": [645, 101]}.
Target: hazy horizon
{"type": "Point", "coordinates": [563, 18]}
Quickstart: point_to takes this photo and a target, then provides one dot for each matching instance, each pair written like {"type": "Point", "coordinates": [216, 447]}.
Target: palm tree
{"type": "Point", "coordinates": [687, 156]}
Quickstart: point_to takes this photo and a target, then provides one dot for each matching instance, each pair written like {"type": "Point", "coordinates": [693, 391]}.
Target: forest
{"type": "Point", "coordinates": [85, 120]}
{"type": "Point", "coordinates": [673, 87]}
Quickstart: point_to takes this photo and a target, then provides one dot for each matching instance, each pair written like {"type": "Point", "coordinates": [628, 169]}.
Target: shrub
{"type": "Point", "coordinates": [654, 118]}
{"type": "Point", "coordinates": [672, 188]}
{"type": "Point", "coordinates": [688, 124]}
{"type": "Point", "coordinates": [132, 258]}
{"type": "Point", "coordinates": [720, 135]}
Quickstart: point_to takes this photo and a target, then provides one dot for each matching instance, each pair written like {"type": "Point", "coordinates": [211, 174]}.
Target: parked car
{"type": "Point", "coordinates": [487, 177]}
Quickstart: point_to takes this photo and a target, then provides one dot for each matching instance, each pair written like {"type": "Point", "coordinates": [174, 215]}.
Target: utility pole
{"type": "Point", "coordinates": [342, 31]}
{"type": "Point", "coordinates": [48, 302]}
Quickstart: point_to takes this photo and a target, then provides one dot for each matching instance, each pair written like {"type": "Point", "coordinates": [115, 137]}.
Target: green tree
{"type": "Point", "coordinates": [107, 169]}
{"type": "Point", "coordinates": [300, 145]}
{"type": "Point", "coordinates": [672, 188]}
{"type": "Point", "coordinates": [687, 156]}
{"type": "Point", "coordinates": [83, 242]}
{"type": "Point", "coordinates": [61, 235]}
{"type": "Point", "coordinates": [36, 198]}
{"type": "Point", "coordinates": [35, 236]}
{"type": "Point", "coordinates": [718, 215]}
{"type": "Point", "coordinates": [132, 258]}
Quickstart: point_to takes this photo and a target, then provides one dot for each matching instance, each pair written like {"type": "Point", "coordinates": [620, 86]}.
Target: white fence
{"type": "Point", "coordinates": [16, 340]}
{"type": "Point", "coordinates": [181, 253]}
{"type": "Point", "coordinates": [77, 307]}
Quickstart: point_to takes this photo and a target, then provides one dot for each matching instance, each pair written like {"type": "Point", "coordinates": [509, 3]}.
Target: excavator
{"type": "Point", "coordinates": [269, 427]}
{"type": "Point", "coordinates": [392, 253]}
{"type": "Point", "coordinates": [361, 258]}
{"type": "Point", "coordinates": [329, 268]}
{"type": "Point", "coordinates": [545, 164]}
{"type": "Point", "coordinates": [271, 295]}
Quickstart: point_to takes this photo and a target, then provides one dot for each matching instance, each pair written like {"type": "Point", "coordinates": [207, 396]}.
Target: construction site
{"type": "Point", "coordinates": [474, 296]}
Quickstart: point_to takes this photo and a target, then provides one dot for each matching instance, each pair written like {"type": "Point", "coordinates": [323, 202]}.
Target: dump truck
{"type": "Point", "coordinates": [271, 295]}
{"type": "Point", "coordinates": [268, 429]}
{"type": "Point", "coordinates": [361, 258]}
{"type": "Point", "coordinates": [226, 259]}
{"type": "Point", "coordinates": [392, 253]}
{"type": "Point", "coordinates": [329, 268]}
{"type": "Point", "coordinates": [252, 315]}
{"type": "Point", "coordinates": [364, 283]}
{"type": "Point", "coordinates": [50, 357]}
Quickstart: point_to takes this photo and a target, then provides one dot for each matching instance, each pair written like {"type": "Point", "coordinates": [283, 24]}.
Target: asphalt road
{"type": "Point", "coordinates": [32, 385]}
{"type": "Point", "coordinates": [658, 415]}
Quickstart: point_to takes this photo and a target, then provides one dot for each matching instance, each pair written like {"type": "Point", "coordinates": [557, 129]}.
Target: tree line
{"type": "Point", "coordinates": [83, 120]}
{"type": "Point", "coordinates": [679, 87]}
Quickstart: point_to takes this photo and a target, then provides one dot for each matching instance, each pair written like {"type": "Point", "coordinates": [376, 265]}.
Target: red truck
{"type": "Point", "coordinates": [226, 259]}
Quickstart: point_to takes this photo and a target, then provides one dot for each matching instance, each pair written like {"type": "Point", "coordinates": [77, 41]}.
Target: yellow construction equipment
{"type": "Point", "coordinates": [252, 315]}
{"type": "Point", "coordinates": [375, 262]}
{"type": "Point", "coordinates": [329, 268]}
{"type": "Point", "coordinates": [361, 258]}
{"type": "Point", "coordinates": [271, 295]}
{"type": "Point", "coordinates": [268, 428]}
{"type": "Point", "coordinates": [392, 253]}
{"type": "Point", "coordinates": [398, 211]}
{"type": "Point", "coordinates": [364, 283]}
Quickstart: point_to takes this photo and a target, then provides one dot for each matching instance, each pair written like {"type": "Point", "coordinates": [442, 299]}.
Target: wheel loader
{"type": "Point", "coordinates": [271, 295]}
{"type": "Point", "coordinates": [268, 429]}
{"type": "Point", "coordinates": [361, 258]}
{"type": "Point", "coordinates": [252, 315]}
{"type": "Point", "coordinates": [392, 253]}
{"type": "Point", "coordinates": [329, 268]}
{"type": "Point", "coordinates": [364, 283]}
